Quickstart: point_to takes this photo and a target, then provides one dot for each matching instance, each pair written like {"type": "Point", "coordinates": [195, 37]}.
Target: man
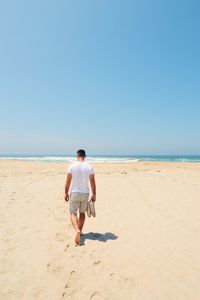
{"type": "Point", "coordinates": [80, 173]}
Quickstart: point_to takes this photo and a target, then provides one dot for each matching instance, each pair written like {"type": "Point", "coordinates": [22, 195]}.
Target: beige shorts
{"type": "Point", "coordinates": [78, 201]}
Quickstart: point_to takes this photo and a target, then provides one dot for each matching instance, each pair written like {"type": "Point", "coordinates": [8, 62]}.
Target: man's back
{"type": "Point", "coordinates": [80, 171]}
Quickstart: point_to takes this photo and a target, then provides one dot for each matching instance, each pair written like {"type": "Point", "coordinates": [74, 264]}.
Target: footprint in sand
{"type": "Point", "coordinates": [97, 262]}
{"type": "Point", "coordinates": [38, 294]}
{"type": "Point", "coordinates": [93, 254]}
{"type": "Point", "coordinates": [67, 247]}
{"type": "Point", "coordinates": [60, 236]}
{"type": "Point", "coordinates": [69, 284]}
{"type": "Point", "coordinates": [95, 295]}
{"type": "Point", "coordinates": [98, 267]}
{"type": "Point", "coordinates": [122, 280]}
{"type": "Point", "coordinates": [54, 268]}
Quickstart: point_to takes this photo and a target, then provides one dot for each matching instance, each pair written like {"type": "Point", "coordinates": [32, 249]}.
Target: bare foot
{"type": "Point", "coordinates": [78, 238]}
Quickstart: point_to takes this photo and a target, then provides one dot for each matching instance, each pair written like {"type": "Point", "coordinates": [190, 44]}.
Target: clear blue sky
{"type": "Point", "coordinates": [108, 76]}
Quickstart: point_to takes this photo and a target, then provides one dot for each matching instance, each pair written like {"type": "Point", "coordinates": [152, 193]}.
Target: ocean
{"type": "Point", "coordinates": [104, 158]}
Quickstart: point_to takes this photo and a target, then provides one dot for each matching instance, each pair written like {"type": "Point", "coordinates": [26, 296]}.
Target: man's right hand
{"type": "Point", "coordinates": [93, 197]}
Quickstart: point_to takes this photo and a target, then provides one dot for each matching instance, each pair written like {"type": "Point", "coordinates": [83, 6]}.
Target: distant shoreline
{"type": "Point", "coordinates": [104, 158]}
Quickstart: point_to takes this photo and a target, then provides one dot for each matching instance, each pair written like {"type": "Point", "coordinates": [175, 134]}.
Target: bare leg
{"type": "Point", "coordinates": [74, 221]}
{"type": "Point", "coordinates": [81, 221]}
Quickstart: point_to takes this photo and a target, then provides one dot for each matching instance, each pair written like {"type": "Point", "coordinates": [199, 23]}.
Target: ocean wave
{"type": "Point", "coordinates": [68, 159]}
{"type": "Point", "coordinates": [102, 159]}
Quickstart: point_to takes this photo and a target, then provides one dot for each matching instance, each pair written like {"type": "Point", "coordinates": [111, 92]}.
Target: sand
{"type": "Point", "coordinates": [144, 243]}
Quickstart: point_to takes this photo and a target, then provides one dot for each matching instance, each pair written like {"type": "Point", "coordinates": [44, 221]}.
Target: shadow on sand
{"type": "Point", "coordinates": [95, 236]}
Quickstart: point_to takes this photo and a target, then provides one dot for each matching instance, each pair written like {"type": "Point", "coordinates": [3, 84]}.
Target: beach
{"type": "Point", "coordinates": [144, 243]}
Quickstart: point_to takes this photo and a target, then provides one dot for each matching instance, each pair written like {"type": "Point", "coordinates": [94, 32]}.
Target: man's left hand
{"type": "Point", "coordinates": [66, 197]}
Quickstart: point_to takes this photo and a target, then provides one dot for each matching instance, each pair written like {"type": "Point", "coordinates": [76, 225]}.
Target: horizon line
{"type": "Point", "coordinates": [94, 154]}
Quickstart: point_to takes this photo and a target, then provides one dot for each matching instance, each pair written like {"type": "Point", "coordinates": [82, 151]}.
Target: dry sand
{"type": "Point", "coordinates": [144, 243]}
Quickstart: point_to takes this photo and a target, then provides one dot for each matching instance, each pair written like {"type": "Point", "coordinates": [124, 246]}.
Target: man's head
{"type": "Point", "coordinates": [81, 154]}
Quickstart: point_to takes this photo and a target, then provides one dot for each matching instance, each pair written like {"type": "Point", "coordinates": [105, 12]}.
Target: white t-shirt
{"type": "Point", "coordinates": [80, 171]}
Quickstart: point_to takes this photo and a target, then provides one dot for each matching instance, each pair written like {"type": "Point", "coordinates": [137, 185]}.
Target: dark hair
{"type": "Point", "coordinates": [81, 153]}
